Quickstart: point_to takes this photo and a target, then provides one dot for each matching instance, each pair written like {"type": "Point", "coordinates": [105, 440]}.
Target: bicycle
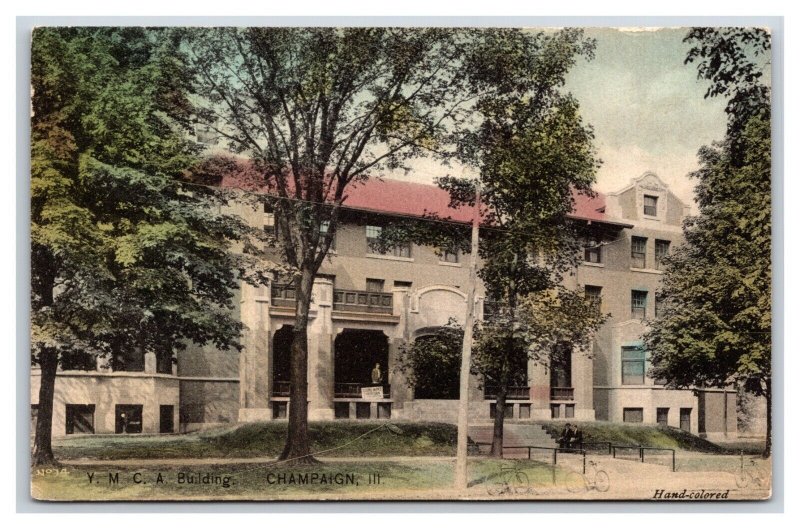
{"type": "Point", "coordinates": [599, 481]}
{"type": "Point", "coordinates": [512, 480]}
{"type": "Point", "coordinates": [751, 474]}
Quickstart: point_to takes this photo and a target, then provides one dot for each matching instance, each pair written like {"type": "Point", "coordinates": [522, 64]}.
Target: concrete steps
{"type": "Point", "coordinates": [514, 434]}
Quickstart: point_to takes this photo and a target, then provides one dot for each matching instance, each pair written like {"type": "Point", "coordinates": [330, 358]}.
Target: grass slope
{"type": "Point", "coordinates": [637, 435]}
{"type": "Point", "coordinates": [267, 440]}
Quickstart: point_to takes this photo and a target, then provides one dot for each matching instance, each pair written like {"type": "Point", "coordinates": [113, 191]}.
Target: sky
{"type": "Point", "coordinates": [647, 109]}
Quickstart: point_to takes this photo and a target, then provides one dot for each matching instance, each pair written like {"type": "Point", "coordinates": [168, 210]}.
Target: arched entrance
{"type": "Point", "coordinates": [361, 360]}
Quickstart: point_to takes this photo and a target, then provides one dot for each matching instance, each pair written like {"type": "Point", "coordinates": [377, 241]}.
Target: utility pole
{"type": "Point", "coordinates": [466, 350]}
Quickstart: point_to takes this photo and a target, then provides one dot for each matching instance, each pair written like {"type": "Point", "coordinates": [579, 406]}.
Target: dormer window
{"type": "Point", "coordinates": [650, 205]}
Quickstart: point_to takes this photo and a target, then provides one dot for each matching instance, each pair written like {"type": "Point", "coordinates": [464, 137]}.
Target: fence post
{"type": "Point", "coordinates": [529, 452]}
{"type": "Point", "coordinates": [641, 454]}
{"type": "Point", "coordinates": [614, 453]}
{"type": "Point", "coordinates": [584, 461]}
{"type": "Point", "coordinates": [555, 456]}
{"type": "Point", "coordinates": [673, 460]}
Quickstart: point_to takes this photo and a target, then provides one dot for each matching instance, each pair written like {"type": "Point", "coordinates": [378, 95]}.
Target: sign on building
{"type": "Point", "coordinates": [372, 393]}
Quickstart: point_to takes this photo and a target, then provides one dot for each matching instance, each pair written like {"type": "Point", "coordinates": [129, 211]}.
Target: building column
{"type": "Point", "coordinates": [254, 359]}
{"type": "Point", "coordinates": [401, 393]}
{"type": "Point", "coordinates": [539, 381]}
{"type": "Point", "coordinates": [583, 384]}
{"type": "Point", "coordinates": [320, 352]}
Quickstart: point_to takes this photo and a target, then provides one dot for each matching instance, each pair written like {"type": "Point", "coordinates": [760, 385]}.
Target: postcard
{"type": "Point", "coordinates": [393, 263]}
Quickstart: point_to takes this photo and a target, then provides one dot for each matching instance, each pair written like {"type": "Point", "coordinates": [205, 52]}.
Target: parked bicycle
{"type": "Point", "coordinates": [751, 474]}
{"type": "Point", "coordinates": [595, 479]}
{"type": "Point", "coordinates": [512, 480]}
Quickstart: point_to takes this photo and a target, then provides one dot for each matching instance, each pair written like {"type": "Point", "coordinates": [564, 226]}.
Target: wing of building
{"type": "Point", "coordinates": [367, 304]}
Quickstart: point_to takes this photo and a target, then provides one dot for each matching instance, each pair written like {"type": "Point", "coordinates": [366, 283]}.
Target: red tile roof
{"type": "Point", "coordinates": [410, 198]}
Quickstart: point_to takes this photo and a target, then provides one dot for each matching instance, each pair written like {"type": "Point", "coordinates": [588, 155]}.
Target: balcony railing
{"type": "Point", "coordinates": [352, 390]}
{"type": "Point", "coordinates": [362, 301]}
{"type": "Point", "coordinates": [513, 393]}
{"type": "Point", "coordinates": [562, 393]}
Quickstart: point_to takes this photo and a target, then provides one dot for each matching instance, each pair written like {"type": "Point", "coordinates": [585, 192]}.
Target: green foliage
{"type": "Point", "coordinates": [125, 256]}
{"type": "Point", "coordinates": [716, 329]}
{"type": "Point", "coordinates": [736, 62]}
{"type": "Point", "coordinates": [540, 323]}
{"type": "Point", "coordinates": [431, 363]}
{"type": "Point", "coordinates": [636, 435]}
{"type": "Point", "coordinates": [266, 440]}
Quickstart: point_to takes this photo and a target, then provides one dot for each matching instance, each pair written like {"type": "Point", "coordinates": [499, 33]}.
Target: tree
{"type": "Point", "coordinates": [316, 111]}
{"type": "Point", "coordinates": [543, 325]}
{"type": "Point", "coordinates": [125, 257]}
{"type": "Point", "coordinates": [532, 152]}
{"type": "Point", "coordinates": [431, 363]}
{"type": "Point", "coordinates": [716, 327]}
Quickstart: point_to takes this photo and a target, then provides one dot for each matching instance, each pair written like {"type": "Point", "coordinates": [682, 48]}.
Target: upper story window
{"type": "Point", "coordinates": [594, 295]}
{"type": "Point", "coordinates": [639, 252]}
{"type": "Point", "coordinates": [205, 134]}
{"type": "Point", "coordinates": [450, 255]}
{"type": "Point", "coordinates": [638, 304]}
{"type": "Point", "coordinates": [633, 365]}
{"type": "Point", "coordinates": [662, 249]}
{"type": "Point", "coordinates": [269, 219]}
{"type": "Point", "coordinates": [323, 231]}
{"type": "Point", "coordinates": [375, 285]}
{"type": "Point", "coordinates": [651, 205]}
{"type": "Point", "coordinates": [373, 235]}
{"type": "Point", "coordinates": [592, 252]}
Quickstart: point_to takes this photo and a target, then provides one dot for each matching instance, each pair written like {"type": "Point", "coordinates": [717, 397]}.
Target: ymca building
{"type": "Point", "coordinates": [366, 305]}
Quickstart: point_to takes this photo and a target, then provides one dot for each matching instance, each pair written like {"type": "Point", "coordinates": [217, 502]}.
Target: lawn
{"type": "Point", "coordinates": [431, 479]}
{"type": "Point", "coordinates": [638, 435]}
{"type": "Point", "coordinates": [340, 438]}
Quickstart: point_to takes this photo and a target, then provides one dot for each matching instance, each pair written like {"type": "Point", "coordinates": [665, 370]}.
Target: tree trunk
{"type": "Point", "coordinates": [768, 447]}
{"type": "Point", "coordinates": [298, 446]}
{"type": "Point", "coordinates": [42, 447]}
{"type": "Point", "coordinates": [499, 420]}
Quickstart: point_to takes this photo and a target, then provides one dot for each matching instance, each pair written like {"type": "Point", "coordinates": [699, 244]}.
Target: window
{"type": "Point", "coordinates": [128, 418]}
{"type": "Point", "coordinates": [662, 249]}
{"type": "Point", "coordinates": [128, 360]}
{"type": "Point", "coordinates": [508, 411]}
{"type": "Point", "coordinates": [555, 411]}
{"type": "Point", "coordinates": [569, 411]}
{"type": "Point", "coordinates": [80, 418]}
{"type": "Point", "coordinates": [662, 416]}
{"type": "Point", "coordinates": [402, 284]}
{"type": "Point", "coordinates": [639, 252]}
{"type": "Point", "coordinates": [592, 252]}
{"type": "Point", "coordinates": [374, 285]}
{"type": "Point", "coordinates": [650, 205]}
{"type": "Point", "coordinates": [633, 414]}
{"type": "Point", "coordinates": [686, 419]}
{"type": "Point", "coordinates": [166, 419]}
{"type": "Point", "coordinates": [373, 236]}
{"type": "Point", "coordinates": [323, 231]}
{"type": "Point", "coordinates": [205, 134]}
{"type": "Point", "coordinates": [164, 362]}
{"type": "Point", "coordinates": [659, 304]}
{"type": "Point", "coordinates": [450, 255]}
{"type": "Point", "coordinates": [280, 409]}
{"type": "Point", "coordinates": [269, 219]}
{"type": "Point", "coordinates": [633, 368]}
{"type": "Point", "coordinates": [593, 296]}
{"type": "Point", "coordinates": [638, 304]}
